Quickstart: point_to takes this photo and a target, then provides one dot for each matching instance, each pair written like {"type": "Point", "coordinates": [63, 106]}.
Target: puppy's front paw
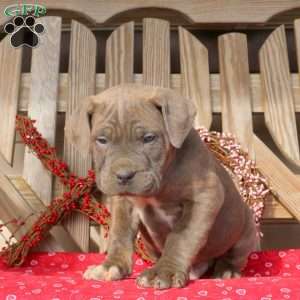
{"type": "Point", "coordinates": [162, 278]}
{"type": "Point", "coordinates": [106, 271]}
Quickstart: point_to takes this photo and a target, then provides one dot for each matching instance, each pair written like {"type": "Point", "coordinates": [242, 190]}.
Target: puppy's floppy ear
{"type": "Point", "coordinates": [78, 125]}
{"type": "Point", "coordinates": [178, 113]}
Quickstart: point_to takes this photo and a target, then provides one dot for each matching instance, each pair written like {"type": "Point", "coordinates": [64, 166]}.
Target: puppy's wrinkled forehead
{"type": "Point", "coordinates": [126, 109]}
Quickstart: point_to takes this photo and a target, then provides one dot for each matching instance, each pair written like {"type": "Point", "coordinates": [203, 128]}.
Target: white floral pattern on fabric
{"type": "Point", "coordinates": [269, 275]}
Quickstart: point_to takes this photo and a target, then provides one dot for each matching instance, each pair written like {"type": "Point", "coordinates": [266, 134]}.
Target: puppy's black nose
{"type": "Point", "coordinates": [124, 176]}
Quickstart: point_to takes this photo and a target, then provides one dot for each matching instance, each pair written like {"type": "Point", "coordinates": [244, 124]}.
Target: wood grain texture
{"type": "Point", "coordinates": [12, 205]}
{"type": "Point", "coordinates": [297, 41]}
{"type": "Point", "coordinates": [278, 98]}
{"type": "Point", "coordinates": [235, 88]}
{"type": "Point", "coordinates": [119, 55]}
{"type": "Point", "coordinates": [274, 210]}
{"type": "Point", "coordinates": [59, 238]}
{"type": "Point", "coordinates": [5, 167]}
{"type": "Point", "coordinates": [34, 202]}
{"type": "Point", "coordinates": [10, 73]}
{"type": "Point", "coordinates": [82, 67]}
{"type": "Point", "coordinates": [18, 201]}
{"type": "Point", "coordinates": [204, 11]}
{"type": "Point", "coordinates": [284, 183]}
{"type": "Point", "coordinates": [175, 83]}
{"type": "Point", "coordinates": [42, 106]}
{"type": "Point", "coordinates": [195, 76]}
{"type": "Point", "coordinates": [156, 52]}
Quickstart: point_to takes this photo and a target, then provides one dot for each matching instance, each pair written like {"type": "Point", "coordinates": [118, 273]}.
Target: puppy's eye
{"type": "Point", "coordinates": [148, 138]}
{"type": "Point", "coordinates": [102, 140]}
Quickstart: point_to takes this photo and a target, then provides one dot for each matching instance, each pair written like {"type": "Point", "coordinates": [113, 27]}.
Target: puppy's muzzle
{"type": "Point", "coordinates": [124, 177]}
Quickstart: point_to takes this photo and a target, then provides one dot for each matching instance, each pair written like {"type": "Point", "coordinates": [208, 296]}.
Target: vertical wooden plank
{"type": "Point", "coordinates": [297, 41]}
{"type": "Point", "coordinates": [235, 88]}
{"type": "Point", "coordinates": [156, 52]}
{"type": "Point", "coordinates": [278, 98]}
{"type": "Point", "coordinates": [195, 82]}
{"type": "Point", "coordinates": [43, 103]}
{"type": "Point", "coordinates": [82, 67]}
{"type": "Point", "coordinates": [10, 74]}
{"type": "Point", "coordinates": [119, 69]}
{"type": "Point", "coordinates": [119, 56]}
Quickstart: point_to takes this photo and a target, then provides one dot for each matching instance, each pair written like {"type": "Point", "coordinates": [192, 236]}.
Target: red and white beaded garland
{"type": "Point", "coordinates": [251, 183]}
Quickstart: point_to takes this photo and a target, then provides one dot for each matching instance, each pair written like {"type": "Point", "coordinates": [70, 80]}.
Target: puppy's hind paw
{"type": "Point", "coordinates": [224, 270]}
{"type": "Point", "coordinates": [227, 274]}
{"type": "Point", "coordinates": [103, 272]}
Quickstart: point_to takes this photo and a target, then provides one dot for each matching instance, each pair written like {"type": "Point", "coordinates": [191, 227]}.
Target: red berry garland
{"type": "Point", "coordinates": [78, 196]}
{"type": "Point", "coordinates": [79, 191]}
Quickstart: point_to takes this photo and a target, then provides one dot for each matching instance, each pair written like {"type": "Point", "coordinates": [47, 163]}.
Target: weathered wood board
{"type": "Point", "coordinates": [82, 77]}
{"type": "Point", "coordinates": [10, 76]}
{"type": "Point", "coordinates": [195, 79]}
{"type": "Point", "coordinates": [278, 98]}
{"type": "Point", "coordinates": [119, 56]}
{"type": "Point", "coordinates": [235, 88]}
{"type": "Point", "coordinates": [42, 106]}
{"type": "Point", "coordinates": [156, 52]}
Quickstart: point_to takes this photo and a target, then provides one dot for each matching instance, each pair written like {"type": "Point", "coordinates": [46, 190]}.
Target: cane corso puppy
{"type": "Point", "coordinates": [162, 180]}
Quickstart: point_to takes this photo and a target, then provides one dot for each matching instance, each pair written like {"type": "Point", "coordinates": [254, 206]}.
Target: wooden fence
{"type": "Point", "coordinates": [47, 96]}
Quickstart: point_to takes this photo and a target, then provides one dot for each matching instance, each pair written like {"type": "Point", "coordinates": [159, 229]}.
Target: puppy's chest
{"type": "Point", "coordinates": [157, 218]}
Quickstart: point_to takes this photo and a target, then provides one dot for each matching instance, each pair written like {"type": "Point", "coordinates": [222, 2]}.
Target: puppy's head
{"type": "Point", "coordinates": [131, 131]}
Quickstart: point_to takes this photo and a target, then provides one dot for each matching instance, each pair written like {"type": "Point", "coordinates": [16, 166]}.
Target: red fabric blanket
{"type": "Point", "coordinates": [269, 275]}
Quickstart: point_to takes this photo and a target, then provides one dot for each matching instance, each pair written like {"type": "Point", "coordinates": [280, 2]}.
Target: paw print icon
{"type": "Point", "coordinates": [24, 31]}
